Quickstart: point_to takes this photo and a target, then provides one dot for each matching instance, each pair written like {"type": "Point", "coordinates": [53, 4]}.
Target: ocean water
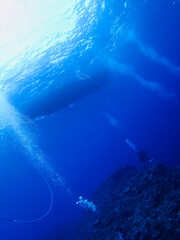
{"type": "Point", "coordinates": [77, 79]}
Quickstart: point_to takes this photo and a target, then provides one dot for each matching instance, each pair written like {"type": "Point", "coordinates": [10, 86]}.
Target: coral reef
{"type": "Point", "coordinates": [134, 204]}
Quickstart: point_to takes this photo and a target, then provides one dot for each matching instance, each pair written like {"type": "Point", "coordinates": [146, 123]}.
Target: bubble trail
{"type": "Point", "coordinates": [155, 87]}
{"type": "Point", "coordinates": [11, 118]}
{"type": "Point", "coordinates": [152, 54]}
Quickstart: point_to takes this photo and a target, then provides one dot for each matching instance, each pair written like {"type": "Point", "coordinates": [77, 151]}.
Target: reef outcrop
{"type": "Point", "coordinates": [134, 204]}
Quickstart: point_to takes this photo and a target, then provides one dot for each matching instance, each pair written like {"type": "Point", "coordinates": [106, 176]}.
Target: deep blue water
{"type": "Point", "coordinates": [135, 48]}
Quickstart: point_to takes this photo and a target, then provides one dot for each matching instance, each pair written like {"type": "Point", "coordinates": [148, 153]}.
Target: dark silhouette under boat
{"type": "Point", "coordinates": [65, 94]}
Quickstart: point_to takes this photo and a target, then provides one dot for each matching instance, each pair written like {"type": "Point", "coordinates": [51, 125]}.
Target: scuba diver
{"type": "Point", "coordinates": [143, 155]}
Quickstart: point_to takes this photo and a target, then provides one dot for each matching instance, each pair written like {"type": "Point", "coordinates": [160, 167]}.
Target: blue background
{"type": "Point", "coordinates": [85, 142]}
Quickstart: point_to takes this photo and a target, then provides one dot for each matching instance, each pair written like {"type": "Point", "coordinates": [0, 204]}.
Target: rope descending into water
{"type": "Point", "coordinates": [14, 220]}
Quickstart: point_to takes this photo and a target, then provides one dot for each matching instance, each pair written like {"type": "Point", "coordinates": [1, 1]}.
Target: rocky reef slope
{"type": "Point", "coordinates": [134, 204]}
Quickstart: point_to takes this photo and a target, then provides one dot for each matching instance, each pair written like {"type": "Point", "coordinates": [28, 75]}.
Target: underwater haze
{"type": "Point", "coordinates": [84, 86]}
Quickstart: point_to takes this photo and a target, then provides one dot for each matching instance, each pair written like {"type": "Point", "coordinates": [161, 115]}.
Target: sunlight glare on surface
{"type": "Point", "coordinates": [29, 27]}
